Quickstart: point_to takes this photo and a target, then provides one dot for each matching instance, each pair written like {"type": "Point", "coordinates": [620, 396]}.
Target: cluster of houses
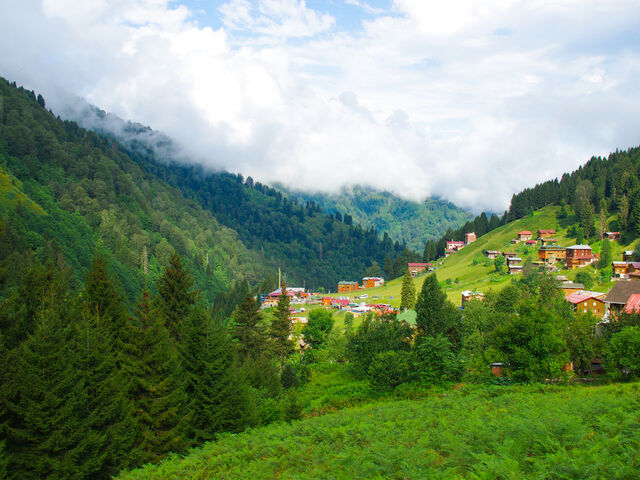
{"type": "Point", "coordinates": [455, 245]}
{"type": "Point", "coordinates": [513, 261]}
{"type": "Point", "coordinates": [367, 282]}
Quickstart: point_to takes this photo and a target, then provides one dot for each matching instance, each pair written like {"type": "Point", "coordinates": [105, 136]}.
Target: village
{"type": "Point", "coordinates": [362, 296]}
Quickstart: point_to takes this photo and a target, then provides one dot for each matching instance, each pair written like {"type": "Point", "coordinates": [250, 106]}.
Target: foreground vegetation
{"type": "Point", "coordinates": [471, 433]}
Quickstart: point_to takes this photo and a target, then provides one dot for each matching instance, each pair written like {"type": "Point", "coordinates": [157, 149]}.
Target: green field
{"type": "Point", "coordinates": [472, 432]}
{"type": "Point", "coordinates": [460, 271]}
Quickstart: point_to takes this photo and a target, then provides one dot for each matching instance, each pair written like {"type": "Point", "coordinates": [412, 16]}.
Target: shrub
{"type": "Point", "coordinates": [623, 352]}
{"type": "Point", "coordinates": [390, 369]}
{"type": "Point", "coordinates": [435, 361]}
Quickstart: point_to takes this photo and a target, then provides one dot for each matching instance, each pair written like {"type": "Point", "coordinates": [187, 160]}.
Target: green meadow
{"type": "Point", "coordinates": [470, 432]}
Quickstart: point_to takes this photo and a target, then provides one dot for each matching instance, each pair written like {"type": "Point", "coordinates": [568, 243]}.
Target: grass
{"type": "Point", "coordinates": [11, 194]}
{"type": "Point", "coordinates": [458, 272]}
{"type": "Point", "coordinates": [474, 432]}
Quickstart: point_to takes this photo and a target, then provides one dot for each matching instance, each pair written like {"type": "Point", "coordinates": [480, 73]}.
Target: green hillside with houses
{"type": "Point", "coordinates": [470, 269]}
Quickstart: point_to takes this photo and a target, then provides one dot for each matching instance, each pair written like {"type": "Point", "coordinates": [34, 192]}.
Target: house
{"type": "Point", "coordinates": [454, 245]}
{"type": "Point", "coordinates": [326, 301]}
{"type": "Point", "coordinates": [370, 282]}
{"type": "Point", "coordinates": [612, 235]}
{"type": "Point", "coordinates": [344, 287]}
{"type": "Point", "coordinates": [584, 301]}
{"type": "Point", "coordinates": [491, 254]}
{"type": "Point", "coordinates": [531, 242]}
{"type": "Point", "coordinates": [291, 292]}
{"type": "Point", "coordinates": [514, 260]}
{"type": "Point", "coordinates": [551, 253]}
{"type": "Point", "coordinates": [620, 294]}
{"type": "Point", "coordinates": [619, 269]}
{"type": "Point", "coordinates": [549, 241]}
{"type": "Point", "coordinates": [509, 254]}
{"type": "Point", "coordinates": [633, 304]}
{"type": "Point", "coordinates": [626, 255]}
{"type": "Point", "coordinates": [570, 287]}
{"type": "Point", "coordinates": [513, 269]}
{"type": "Point", "coordinates": [632, 267]}
{"type": "Point", "coordinates": [579, 256]}
{"type": "Point", "coordinates": [469, 295]}
{"type": "Point", "coordinates": [546, 233]}
{"type": "Point", "coordinates": [418, 268]}
{"type": "Point", "coordinates": [524, 235]}
{"type": "Point", "coordinates": [469, 238]}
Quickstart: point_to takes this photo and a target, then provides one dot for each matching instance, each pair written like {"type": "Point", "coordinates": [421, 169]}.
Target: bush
{"type": "Point", "coordinates": [288, 377]}
{"type": "Point", "coordinates": [390, 369]}
{"type": "Point", "coordinates": [623, 352]}
{"type": "Point", "coordinates": [435, 361]}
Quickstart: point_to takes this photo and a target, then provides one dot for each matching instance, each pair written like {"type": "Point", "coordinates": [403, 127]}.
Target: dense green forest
{"type": "Point", "coordinates": [604, 195]}
{"type": "Point", "coordinates": [405, 221]}
{"type": "Point", "coordinates": [89, 192]}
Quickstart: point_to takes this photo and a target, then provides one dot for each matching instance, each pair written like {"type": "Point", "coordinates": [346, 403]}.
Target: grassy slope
{"type": "Point", "coordinates": [460, 267]}
{"type": "Point", "coordinates": [11, 194]}
{"type": "Point", "coordinates": [472, 433]}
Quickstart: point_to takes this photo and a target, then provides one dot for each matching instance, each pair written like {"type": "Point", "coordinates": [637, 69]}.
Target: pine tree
{"type": "Point", "coordinates": [177, 299]}
{"type": "Point", "coordinates": [623, 212]}
{"type": "Point", "coordinates": [101, 294]}
{"type": "Point", "coordinates": [435, 314]}
{"type": "Point", "coordinates": [605, 254]}
{"type": "Point", "coordinates": [248, 330]}
{"type": "Point", "coordinates": [153, 387]}
{"type": "Point", "coordinates": [49, 434]}
{"type": "Point", "coordinates": [216, 403]}
{"type": "Point", "coordinates": [408, 292]}
{"type": "Point", "coordinates": [280, 328]}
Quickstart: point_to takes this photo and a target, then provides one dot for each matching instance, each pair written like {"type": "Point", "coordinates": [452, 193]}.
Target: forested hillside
{"type": "Point", "coordinates": [603, 194]}
{"type": "Point", "coordinates": [81, 191]}
{"type": "Point", "coordinates": [405, 221]}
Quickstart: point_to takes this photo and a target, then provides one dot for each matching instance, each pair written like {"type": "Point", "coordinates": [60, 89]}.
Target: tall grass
{"type": "Point", "coordinates": [475, 432]}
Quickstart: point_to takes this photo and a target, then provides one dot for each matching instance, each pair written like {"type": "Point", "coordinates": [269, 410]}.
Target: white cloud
{"type": "Point", "coordinates": [469, 102]}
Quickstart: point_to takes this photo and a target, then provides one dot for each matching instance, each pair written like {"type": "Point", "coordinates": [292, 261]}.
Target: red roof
{"type": "Point", "coordinates": [525, 232]}
{"type": "Point", "coordinates": [633, 304]}
{"type": "Point", "coordinates": [581, 296]}
{"type": "Point", "coordinates": [531, 242]}
{"type": "Point", "coordinates": [546, 231]}
{"type": "Point", "coordinates": [420, 264]}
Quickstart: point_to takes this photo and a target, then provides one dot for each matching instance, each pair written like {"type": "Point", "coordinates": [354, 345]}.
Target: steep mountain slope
{"type": "Point", "coordinates": [405, 221]}
{"type": "Point", "coordinates": [121, 199]}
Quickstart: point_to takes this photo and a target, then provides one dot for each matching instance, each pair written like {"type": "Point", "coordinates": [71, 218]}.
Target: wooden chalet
{"type": "Point", "coordinates": [579, 256]}
{"type": "Point", "coordinates": [531, 242]}
{"type": "Point", "coordinates": [514, 260]}
{"type": "Point", "coordinates": [491, 254]}
{"type": "Point", "coordinates": [509, 254]}
{"type": "Point", "coordinates": [470, 238]}
{"type": "Point", "coordinates": [370, 282]}
{"type": "Point", "coordinates": [513, 269]}
{"type": "Point", "coordinates": [546, 233]}
{"type": "Point", "coordinates": [418, 268]}
{"type": "Point", "coordinates": [345, 287]}
{"type": "Point", "coordinates": [620, 294]}
{"type": "Point", "coordinates": [552, 253]}
{"type": "Point", "coordinates": [524, 235]}
{"type": "Point", "coordinates": [569, 288]}
{"type": "Point", "coordinates": [584, 301]}
{"type": "Point", "coordinates": [454, 245]}
{"type": "Point", "coordinates": [612, 235]}
{"type": "Point", "coordinates": [469, 295]}
{"type": "Point", "coordinates": [619, 269]}
{"type": "Point", "coordinates": [549, 241]}
{"type": "Point", "coordinates": [626, 255]}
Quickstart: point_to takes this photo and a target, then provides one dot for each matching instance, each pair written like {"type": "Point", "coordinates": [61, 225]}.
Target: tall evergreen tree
{"type": "Point", "coordinates": [177, 297]}
{"type": "Point", "coordinates": [218, 398]}
{"type": "Point", "coordinates": [408, 292]}
{"type": "Point", "coordinates": [435, 314]}
{"type": "Point", "coordinates": [102, 296]}
{"type": "Point", "coordinates": [280, 328]}
{"type": "Point", "coordinates": [48, 432]}
{"type": "Point", "coordinates": [153, 387]}
{"type": "Point", "coordinates": [248, 330]}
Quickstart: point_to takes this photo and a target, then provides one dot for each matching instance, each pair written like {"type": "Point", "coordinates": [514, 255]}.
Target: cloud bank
{"type": "Point", "coordinates": [470, 102]}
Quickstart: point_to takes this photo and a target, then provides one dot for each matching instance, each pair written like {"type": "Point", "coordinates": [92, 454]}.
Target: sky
{"type": "Point", "coordinates": [469, 101]}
